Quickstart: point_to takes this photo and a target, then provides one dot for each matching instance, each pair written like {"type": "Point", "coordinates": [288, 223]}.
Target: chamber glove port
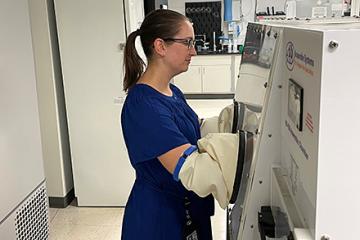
{"type": "Point", "coordinates": [234, 117]}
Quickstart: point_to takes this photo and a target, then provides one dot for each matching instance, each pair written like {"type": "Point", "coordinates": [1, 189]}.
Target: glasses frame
{"type": "Point", "coordinates": [189, 42]}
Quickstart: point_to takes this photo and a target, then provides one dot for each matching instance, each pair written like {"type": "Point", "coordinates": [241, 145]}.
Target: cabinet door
{"type": "Point", "coordinates": [89, 36]}
{"type": "Point", "coordinates": [216, 79]}
{"type": "Point", "coordinates": [190, 81]}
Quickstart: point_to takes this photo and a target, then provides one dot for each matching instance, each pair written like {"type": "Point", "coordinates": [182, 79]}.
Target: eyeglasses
{"type": "Point", "coordinates": [189, 42]}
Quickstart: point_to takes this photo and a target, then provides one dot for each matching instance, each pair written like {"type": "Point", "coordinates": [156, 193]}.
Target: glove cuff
{"type": "Point", "coordinates": [181, 161]}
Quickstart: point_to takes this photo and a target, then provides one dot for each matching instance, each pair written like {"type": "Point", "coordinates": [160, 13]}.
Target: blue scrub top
{"type": "Point", "coordinates": [153, 124]}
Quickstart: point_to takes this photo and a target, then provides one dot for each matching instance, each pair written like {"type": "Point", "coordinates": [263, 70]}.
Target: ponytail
{"type": "Point", "coordinates": [160, 23]}
{"type": "Point", "coordinates": [133, 64]}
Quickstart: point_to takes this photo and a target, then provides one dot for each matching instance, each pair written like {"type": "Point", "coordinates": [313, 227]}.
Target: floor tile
{"type": "Point", "coordinates": [75, 232]}
{"type": "Point", "coordinates": [111, 232]}
{"type": "Point", "coordinates": [52, 213]}
{"type": "Point", "coordinates": [89, 216]}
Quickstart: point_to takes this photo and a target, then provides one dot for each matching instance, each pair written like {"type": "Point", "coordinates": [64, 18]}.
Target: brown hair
{"type": "Point", "coordinates": [161, 23]}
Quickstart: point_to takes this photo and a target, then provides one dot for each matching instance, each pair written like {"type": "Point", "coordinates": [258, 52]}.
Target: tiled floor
{"type": "Point", "coordinates": [85, 223]}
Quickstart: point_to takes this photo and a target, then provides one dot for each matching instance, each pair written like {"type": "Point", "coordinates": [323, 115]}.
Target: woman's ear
{"type": "Point", "coordinates": [159, 47]}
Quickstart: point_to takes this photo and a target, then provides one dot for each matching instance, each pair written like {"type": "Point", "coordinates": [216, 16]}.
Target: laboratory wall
{"type": "Point", "coordinates": [53, 123]}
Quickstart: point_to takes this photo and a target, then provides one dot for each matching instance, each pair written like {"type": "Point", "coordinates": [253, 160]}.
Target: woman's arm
{"type": "Point", "coordinates": [170, 158]}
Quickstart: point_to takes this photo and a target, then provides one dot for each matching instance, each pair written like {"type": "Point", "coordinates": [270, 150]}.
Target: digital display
{"type": "Point", "coordinates": [295, 104]}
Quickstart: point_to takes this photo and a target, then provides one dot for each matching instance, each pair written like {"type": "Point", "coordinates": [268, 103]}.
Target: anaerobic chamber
{"type": "Point", "coordinates": [303, 180]}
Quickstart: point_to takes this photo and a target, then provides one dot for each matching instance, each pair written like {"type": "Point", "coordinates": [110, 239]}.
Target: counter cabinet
{"type": "Point", "coordinates": [210, 74]}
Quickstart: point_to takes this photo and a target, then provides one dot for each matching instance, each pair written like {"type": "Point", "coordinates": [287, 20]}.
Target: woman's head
{"type": "Point", "coordinates": [162, 25]}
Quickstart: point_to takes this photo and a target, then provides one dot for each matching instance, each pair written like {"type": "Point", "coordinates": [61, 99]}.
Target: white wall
{"type": "Point", "coordinates": [55, 143]}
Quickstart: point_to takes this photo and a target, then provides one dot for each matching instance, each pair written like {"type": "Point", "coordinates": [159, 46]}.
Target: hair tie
{"type": "Point", "coordinates": [138, 32]}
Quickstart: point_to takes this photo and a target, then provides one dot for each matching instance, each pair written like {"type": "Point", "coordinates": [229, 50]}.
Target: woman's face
{"type": "Point", "coordinates": [181, 49]}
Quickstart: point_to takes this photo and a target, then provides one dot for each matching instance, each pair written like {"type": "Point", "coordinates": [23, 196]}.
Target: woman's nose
{"type": "Point", "coordinates": [193, 51]}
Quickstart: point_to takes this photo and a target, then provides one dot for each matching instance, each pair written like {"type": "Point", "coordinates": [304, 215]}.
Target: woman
{"type": "Point", "coordinates": [158, 126]}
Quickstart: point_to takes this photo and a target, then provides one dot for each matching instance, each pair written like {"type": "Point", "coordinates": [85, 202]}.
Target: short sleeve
{"type": "Point", "coordinates": [149, 129]}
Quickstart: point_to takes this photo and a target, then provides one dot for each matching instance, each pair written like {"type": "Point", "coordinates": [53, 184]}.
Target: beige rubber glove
{"type": "Point", "coordinates": [239, 116]}
{"type": "Point", "coordinates": [214, 168]}
{"type": "Point", "coordinates": [202, 175]}
{"type": "Point", "coordinates": [209, 125]}
{"type": "Point", "coordinates": [234, 117]}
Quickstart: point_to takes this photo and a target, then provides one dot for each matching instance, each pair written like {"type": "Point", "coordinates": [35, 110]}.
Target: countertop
{"type": "Point", "coordinates": [207, 53]}
{"type": "Point", "coordinates": [209, 95]}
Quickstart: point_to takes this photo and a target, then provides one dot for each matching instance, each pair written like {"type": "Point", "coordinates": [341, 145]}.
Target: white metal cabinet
{"type": "Point", "coordinates": [21, 163]}
{"type": "Point", "coordinates": [21, 160]}
{"type": "Point", "coordinates": [190, 81]}
{"type": "Point", "coordinates": [90, 32]}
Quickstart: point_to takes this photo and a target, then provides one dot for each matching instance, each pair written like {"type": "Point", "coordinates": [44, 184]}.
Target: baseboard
{"type": "Point", "coordinates": [62, 202]}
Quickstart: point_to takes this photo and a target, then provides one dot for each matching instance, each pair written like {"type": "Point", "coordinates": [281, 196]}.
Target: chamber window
{"type": "Point", "coordinates": [295, 103]}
